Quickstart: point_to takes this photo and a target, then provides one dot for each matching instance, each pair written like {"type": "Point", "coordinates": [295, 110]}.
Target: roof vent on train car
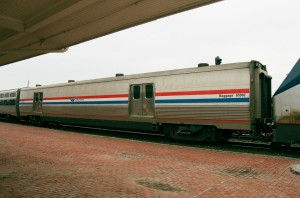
{"type": "Point", "coordinates": [119, 74]}
{"type": "Point", "coordinates": [38, 85]}
{"type": "Point", "coordinates": [203, 64]}
{"type": "Point", "coordinates": [70, 81]}
{"type": "Point", "coordinates": [218, 60]}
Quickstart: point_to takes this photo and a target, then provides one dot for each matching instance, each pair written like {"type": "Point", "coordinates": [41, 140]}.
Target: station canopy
{"type": "Point", "coordinates": [36, 27]}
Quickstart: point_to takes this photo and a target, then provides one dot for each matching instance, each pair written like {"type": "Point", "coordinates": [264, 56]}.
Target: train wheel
{"type": "Point", "coordinates": [208, 133]}
{"type": "Point", "coordinates": [212, 133]}
{"type": "Point", "coordinates": [8, 117]}
{"type": "Point", "coordinates": [170, 130]}
{"type": "Point", "coordinates": [36, 120]}
{"type": "Point", "coordinates": [203, 133]}
{"type": "Point", "coordinates": [223, 135]}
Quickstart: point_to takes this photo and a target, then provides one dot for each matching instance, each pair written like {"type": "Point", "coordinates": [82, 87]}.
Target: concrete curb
{"type": "Point", "coordinates": [295, 169]}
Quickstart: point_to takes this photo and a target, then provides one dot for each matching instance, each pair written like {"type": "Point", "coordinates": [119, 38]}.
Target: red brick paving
{"type": "Point", "coordinates": [40, 162]}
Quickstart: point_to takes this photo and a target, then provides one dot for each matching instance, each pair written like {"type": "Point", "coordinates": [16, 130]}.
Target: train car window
{"type": "Point", "coordinates": [12, 95]}
{"type": "Point", "coordinates": [12, 102]}
{"type": "Point", "coordinates": [6, 95]}
{"type": "Point", "coordinates": [149, 91]}
{"type": "Point", "coordinates": [36, 97]}
{"type": "Point", "coordinates": [41, 97]}
{"type": "Point", "coordinates": [5, 102]}
{"type": "Point", "coordinates": [1, 95]}
{"type": "Point", "coordinates": [1, 102]}
{"type": "Point", "coordinates": [136, 92]}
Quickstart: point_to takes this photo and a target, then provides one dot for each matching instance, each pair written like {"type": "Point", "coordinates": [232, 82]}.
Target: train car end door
{"type": "Point", "coordinates": [38, 102]}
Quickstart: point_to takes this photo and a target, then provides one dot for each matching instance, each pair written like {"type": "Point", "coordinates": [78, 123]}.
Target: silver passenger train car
{"type": "Point", "coordinates": [204, 103]}
{"type": "Point", "coordinates": [9, 103]}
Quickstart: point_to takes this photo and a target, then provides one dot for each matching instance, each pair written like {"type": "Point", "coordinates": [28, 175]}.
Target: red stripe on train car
{"type": "Point", "coordinates": [203, 92]}
{"type": "Point", "coordinates": [26, 99]}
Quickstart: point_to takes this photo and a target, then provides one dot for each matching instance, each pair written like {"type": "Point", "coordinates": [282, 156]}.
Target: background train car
{"type": "Point", "coordinates": [203, 103]}
{"type": "Point", "coordinates": [286, 101]}
{"type": "Point", "coordinates": [9, 103]}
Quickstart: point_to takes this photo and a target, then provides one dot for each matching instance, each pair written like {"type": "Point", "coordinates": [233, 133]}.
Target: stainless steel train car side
{"type": "Point", "coordinates": [186, 103]}
{"type": "Point", "coordinates": [9, 103]}
{"type": "Point", "coordinates": [287, 108]}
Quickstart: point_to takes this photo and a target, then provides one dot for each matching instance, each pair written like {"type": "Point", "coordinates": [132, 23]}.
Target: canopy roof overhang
{"type": "Point", "coordinates": [32, 28]}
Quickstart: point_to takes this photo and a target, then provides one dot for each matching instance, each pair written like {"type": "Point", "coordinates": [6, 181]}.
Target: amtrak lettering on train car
{"type": "Point", "coordinates": [226, 96]}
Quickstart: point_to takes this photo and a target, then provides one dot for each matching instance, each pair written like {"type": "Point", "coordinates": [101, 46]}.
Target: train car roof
{"type": "Point", "coordinates": [8, 90]}
{"type": "Point", "coordinates": [151, 74]}
{"type": "Point", "coordinates": [292, 79]}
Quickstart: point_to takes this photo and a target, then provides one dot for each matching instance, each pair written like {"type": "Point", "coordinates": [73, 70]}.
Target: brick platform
{"type": "Point", "coordinates": [38, 162]}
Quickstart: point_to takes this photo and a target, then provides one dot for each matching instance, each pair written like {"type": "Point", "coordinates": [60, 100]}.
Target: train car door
{"type": "Point", "coordinates": [38, 102]}
{"type": "Point", "coordinates": [266, 95]}
{"type": "Point", "coordinates": [141, 100]}
{"type": "Point", "coordinates": [18, 102]}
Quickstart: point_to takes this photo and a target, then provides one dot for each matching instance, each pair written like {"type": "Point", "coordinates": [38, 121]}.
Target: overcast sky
{"type": "Point", "coordinates": [235, 30]}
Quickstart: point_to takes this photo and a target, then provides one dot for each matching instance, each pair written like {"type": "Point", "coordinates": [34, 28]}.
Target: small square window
{"type": "Point", "coordinates": [149, 91]}
{"type": "Point", "coordinates": [136, 92]}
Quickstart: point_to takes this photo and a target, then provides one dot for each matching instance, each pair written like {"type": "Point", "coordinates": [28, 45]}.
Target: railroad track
{"type": "Point", "coordinates": [242, 145]}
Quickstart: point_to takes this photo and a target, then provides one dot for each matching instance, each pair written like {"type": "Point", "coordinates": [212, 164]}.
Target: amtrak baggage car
{"type": "Point", "coordinates": [204, 103]}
